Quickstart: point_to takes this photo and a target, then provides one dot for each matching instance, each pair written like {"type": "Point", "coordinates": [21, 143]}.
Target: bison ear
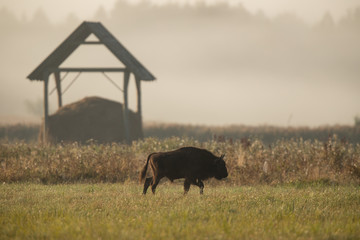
{"type": "Point", "coordinates": [219, 159]}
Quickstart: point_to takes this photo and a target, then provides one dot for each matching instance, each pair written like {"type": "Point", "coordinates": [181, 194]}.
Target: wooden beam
{"type": "Point", "coordinates": [92, 42]}
{"type": "Point", "coordinates": [126, 107]}
{"type": "Point", "coordinates": [58, 88]}
{"type": "Point", "coordinates": [46, 106]}
{"type": "Point", "coordinates": [89, 70]}
{"type": "Point", "coordinates": [139, 107]}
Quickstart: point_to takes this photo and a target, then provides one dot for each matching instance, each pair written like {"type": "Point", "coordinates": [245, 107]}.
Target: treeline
{"type": "Point", "coordinates": [267, 134]}
{"type": "Point", "coordinates": [146, 17]}
{"type": "Point", "coordinates": [19, 132]}
{"type": "Point", "coordinates": [145, 10]}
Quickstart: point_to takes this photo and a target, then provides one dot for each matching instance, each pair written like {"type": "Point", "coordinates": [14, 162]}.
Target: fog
{"type": "Point", "coordinates": [214, 64]}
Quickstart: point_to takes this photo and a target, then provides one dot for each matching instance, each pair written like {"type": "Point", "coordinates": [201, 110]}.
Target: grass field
{"type": "Point", "coordinates": [248, 162]}
{"type": "Point", "coordinates": [119, 211]}
{"type": "Point", "coordinates": [291, 189]}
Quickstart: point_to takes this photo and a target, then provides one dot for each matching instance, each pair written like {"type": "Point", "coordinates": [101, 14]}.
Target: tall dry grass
{"type": "Point", "coordinates": [249, 161]}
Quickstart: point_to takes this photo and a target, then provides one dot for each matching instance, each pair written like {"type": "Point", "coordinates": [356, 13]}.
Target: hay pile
{"type": "Point", "coordinates": [91, 118]}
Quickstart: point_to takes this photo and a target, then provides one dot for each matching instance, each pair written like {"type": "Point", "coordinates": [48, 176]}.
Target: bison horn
{"type": "Point", "coordinates": [222, 156]}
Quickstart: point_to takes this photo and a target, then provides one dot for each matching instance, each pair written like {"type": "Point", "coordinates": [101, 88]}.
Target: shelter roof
{"type": "Point", "coordinates": [70, 44]}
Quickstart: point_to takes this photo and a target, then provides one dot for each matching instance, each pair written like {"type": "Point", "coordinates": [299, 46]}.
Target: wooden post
{"type": "Point", "coordinates": [126, 107]}
{"type": "Point", "coordinates": [58, 87]}
{"type": "Point", "coordinates": [139, 108]}
{"type": "Point", "coordinates": [46, 106]}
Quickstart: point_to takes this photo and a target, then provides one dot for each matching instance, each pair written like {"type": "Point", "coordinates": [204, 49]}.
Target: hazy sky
{"type": "Point", "coordinates": [309, 10]}
{"type": "Point", "coordinates": [220, 69]}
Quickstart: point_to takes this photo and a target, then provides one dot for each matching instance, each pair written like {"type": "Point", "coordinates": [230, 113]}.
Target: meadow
{"type": "Point", "coordinates": [291, 189]}
{"type": "Point", "coordinates": [119, 211]}
{"type": "Point", "coordinates": [249, 161]}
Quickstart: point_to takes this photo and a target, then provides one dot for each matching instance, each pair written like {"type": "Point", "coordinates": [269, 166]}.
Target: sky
{"type": "Point", "coordinates": [309, 10]}
{"type": "Point", "coordinates": [286, 75]}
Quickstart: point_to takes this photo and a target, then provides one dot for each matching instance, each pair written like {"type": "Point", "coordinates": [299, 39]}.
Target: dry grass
{"type": "Point", "coordinates": [248, 161]}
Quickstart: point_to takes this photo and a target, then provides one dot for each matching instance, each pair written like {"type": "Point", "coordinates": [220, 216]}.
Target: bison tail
{"type": "Point", "coordinates": [144, 169]}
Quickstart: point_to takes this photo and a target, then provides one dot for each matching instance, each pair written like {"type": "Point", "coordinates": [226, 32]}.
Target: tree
{"type": "Point", "coordinates": [357, 121]}
{"type": "Point", "coordinates": [40, 19]}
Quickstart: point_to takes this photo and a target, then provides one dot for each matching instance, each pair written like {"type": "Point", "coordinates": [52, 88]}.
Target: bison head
{"type": "Point", "coordinates": [220, 168]}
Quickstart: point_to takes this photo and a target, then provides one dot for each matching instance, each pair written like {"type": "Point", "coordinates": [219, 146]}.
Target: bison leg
{"type": "Point", "coordinates": [147, 183]}
{"type": "Point", "coordinates": [186, 185]}
{"type": "Point", "coordinates": [200, 184]}
{"type": "Point", "coordinates": [154, 184]}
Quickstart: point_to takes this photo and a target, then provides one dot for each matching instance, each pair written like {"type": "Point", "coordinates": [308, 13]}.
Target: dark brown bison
{"type": "Point", "coordinates": [191, 163]}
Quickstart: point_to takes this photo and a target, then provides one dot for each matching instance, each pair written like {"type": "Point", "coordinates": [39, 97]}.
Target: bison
{"type": "Point", "coordinates": [193, 164]}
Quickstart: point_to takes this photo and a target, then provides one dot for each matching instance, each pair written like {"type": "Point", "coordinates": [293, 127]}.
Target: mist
{"type": "Point", "coordinates": [214, 64]}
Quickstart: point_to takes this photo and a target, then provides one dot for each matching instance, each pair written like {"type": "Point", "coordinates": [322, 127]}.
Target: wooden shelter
{"type": "Point", "coordinates": [51, 65]}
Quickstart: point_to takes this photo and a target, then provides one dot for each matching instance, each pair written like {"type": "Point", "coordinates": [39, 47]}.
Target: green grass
{"type": "Point", "coordinates": [119, 211]}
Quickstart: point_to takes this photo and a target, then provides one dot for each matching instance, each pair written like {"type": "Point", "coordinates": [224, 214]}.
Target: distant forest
{"type": "Point", "coordinates": [141, 13]}
{"type": "Point", "coordinates": [246, 134]}
{"type": "Point", "coordinates": [219, 37]}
